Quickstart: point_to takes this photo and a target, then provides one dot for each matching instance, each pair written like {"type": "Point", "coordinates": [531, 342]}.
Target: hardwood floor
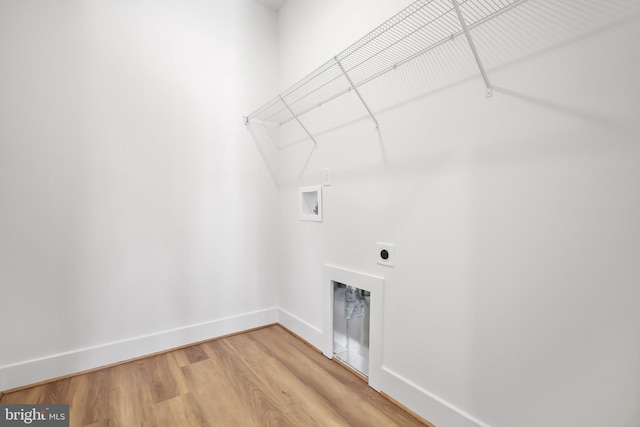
{"type": "Point", "coordinates": [265, 377]}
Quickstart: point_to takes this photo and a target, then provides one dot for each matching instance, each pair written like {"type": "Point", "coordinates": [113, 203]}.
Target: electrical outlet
{"type": "Point", "coordinates": [326, 177]}
{"type": "Point", "coordinates": [386, 254]}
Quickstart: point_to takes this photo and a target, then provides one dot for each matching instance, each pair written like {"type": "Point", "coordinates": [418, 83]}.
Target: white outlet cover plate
{"type": "Point", "coordinates": [389, 247]}
{"type": "Point", "coordinates": [326, 177]}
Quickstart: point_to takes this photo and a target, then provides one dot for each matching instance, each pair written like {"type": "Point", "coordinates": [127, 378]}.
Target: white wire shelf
{"type": "Point", "coordinates": [419, 28]}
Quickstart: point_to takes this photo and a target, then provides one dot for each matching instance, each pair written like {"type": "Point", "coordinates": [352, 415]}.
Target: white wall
{"type": "Point", "coordinates": [136, 213]}
{"type": "Point", "coordinates": [514, 297]}
{"type": "Point", "coordinates": [133, 204]}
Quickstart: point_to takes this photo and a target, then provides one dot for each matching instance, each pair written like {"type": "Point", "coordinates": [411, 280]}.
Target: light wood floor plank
{"type": "Point", "coordinates": [194, 412]}
{"type": "Point", "coordinates": [164, 383]}
{"type": "Point", "coordinates": [354, 408]}
{"type": "Point", "coordinates": [300, 402]}
{"type": "Point", "coordinates": [90, 397]}
{"type": "Point", "coordinates": [252, 390]}
{"type": "Point", "coordinates": [195, 354]}
{"type": "Point", "coordinates": [178, 412]}
{"type": "Point", "coordinates": [216, 393]}
{"type": "Point", "coordinates": [265, 377]}
{"type": "Point", "coordinates": [130, 401]}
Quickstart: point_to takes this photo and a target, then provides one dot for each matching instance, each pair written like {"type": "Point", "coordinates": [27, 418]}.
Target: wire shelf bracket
{"type": "Point", "coordinates": [472, 45]}
{"type": "Point", "coordinates": [295, 116]}
{"type": "Point", "coordinates": [355, 89]}
{"type": "Point", "coordinates": [422, 26]}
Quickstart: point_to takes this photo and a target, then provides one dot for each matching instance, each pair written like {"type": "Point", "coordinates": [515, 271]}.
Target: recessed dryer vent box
{"type": "Point", "coordinates": [311, 203]}
{"type": "Point", "coordinates": [386, 254]}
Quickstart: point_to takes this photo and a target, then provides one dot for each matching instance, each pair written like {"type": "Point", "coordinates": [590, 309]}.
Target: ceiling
{"type": "Point", "coordinates": [273, 4]}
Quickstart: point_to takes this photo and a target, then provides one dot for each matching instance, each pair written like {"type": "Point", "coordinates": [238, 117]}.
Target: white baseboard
{"type": "Point", "coordinates": [411, 395]}
{"type": "Point", "coordinates": [304, 330]}
{"type": "Point", "coordinates": [424, 403]}
{"type": "Point", "coordinates": [58, 365]}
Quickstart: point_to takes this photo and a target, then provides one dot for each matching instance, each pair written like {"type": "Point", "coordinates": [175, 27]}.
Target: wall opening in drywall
{"type": "Point", "coordinates": [365, 354]}
{"type": "Point", "coordinates": [351, 325]}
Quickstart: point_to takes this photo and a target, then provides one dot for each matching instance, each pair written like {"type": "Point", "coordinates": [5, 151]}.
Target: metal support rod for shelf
{"type": "Point", "coordinates": [315, 143]}
{"type": "Point", "coordinates": [355, 89]}
{"type": "Point", "coordinates": [463, 24]}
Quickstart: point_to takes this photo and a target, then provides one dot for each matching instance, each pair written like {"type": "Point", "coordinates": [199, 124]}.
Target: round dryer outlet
{"type": "Point", "coordinates": [385, 255]}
